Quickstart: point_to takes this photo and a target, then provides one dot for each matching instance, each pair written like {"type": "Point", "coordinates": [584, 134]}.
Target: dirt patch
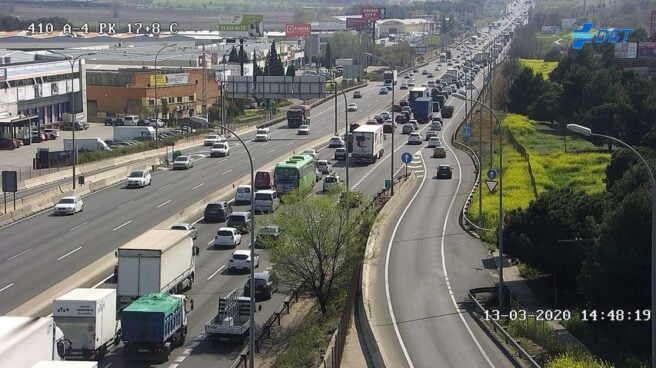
{"type": "Point", "coordinates": [289, 324]}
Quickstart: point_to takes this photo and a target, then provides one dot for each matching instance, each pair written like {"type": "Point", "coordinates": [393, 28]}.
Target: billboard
{"type": "Point", "coordinates": [652, 22]}
{"type": "Point", "coordinates": [647, 50]}
{"type": "Point", "coordinates": [567, 23]}
{"type": "Point", "coordinates": [373, 13]}
{"type": "Point", "coordinates": [242, 25]}
{"type": "Point", "coordinates": [357, 24]}
{"type": "Point", "coordinates": [627, 50]}
{"type": "Point", "coordinates": [298, 30]}
{"type": "Point", "coordinates": [169, 79]}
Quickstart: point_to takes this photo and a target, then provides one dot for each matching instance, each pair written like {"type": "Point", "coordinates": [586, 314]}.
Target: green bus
{"type": "Point", "coordinates": [297, 173]}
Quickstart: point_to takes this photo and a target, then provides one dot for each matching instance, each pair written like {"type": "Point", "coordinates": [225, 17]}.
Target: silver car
{"type": "Point", "coordinates": [183, 162]}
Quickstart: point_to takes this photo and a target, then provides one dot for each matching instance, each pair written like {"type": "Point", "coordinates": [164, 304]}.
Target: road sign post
{"type": "Point", "coordinates": [406, 158]}
{"type": "Point", "coordinates": [491, 174]}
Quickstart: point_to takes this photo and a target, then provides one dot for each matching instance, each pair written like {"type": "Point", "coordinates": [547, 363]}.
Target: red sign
{"type": "Point", "coordinates": [298, 30]}
{"type": "Point", "coordinates": [371, 13]}
{"type": "Point", "coordinates": [652, 22]}
{"type": "Point", "coordinates": [647, 50]}
{"type": "Point", "coordinates": [356, 23]}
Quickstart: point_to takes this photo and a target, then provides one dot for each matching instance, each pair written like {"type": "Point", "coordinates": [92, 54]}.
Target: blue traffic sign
{"type": "Point", "coordinates": [466, 131]}
{"type": "Point", "coordinates": [491, 174]}
{"type": "Point", "coordinates": [406, 157]}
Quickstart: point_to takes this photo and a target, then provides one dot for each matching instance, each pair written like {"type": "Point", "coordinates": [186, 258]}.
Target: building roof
{"type": "Point", "coordinates": [403, 21]}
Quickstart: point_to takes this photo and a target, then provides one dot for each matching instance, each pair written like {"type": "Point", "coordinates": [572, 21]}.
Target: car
{"type": "Point", "coordinates": [211, 139]}
{"type": "Point", "coordinates": [331, 182]}
{"type": "Point", "coordinates": [217, 211]}
{"type": "Point", "coordinates": [424, 72]}
{"type": "Point", "coordinates": [139, 179]}
{"type": "Point", "coordinates": [109, 121]}
{"type": "Point", "coordinates": [340, 153]}
{"type": "Point", "coordinates": [386, 115]}
{"type": "Point", "coordinates": [372, 122]}
{"type": "Point", "coordinates": [436, 125]}
{"type": "Point", "coordinates": [240, 221]}
{"type": "Point", "coordinates": [430, 84]}
{"type": "Point", "coordinates": [241, 260]}
{"type": "Point", "coordinates": [52, 133]}
{"type": "Point", "coordinates": [186, 227]}
{"type": "Point", "coordinates": [444, 172]}
{"type": "Point", "coordinates": [266, 284]}
{"type": "Point", "coordinates": [220, 149]}
{"type": "Point", "coordinates": [415, 70]}
{"type": "Point", "coordinates": [382, 91]}
{"type": "Point", "coordinates": [406, 76]}
{"type": "Point", "coordinates": [8, 144]}
{"type": "Point", "coordinates": [449, 64]}
{"type": "Point", "coordinates": [69, 206]}
{"type": "Point", "coordinates": [357, 94]}
{"type": "Point", "coordinates": [317, 175]}
{"type": "Point", "coordinates": [389, 127]}
{"type": "Point", "coordinates": [243, 194]}
{"type": "Point", "coordinates": [303, 130]}
{"type": "Point", "coordinates": [430, 75]}
{"type": "Point", "coordinates": [439, 152]}
{"type": "Point", "coordinates": [268, 234]}
{"type": "Point", "coordinates": [336, 142]}
{"type": "Point", "coordinates": [156, 123]}
{"type": "Point", "coordinates": [227, 237]}
{"type": "Point", "coordinates": [407, 128]}
{"type": "Point", "coordinates": [414, 123]}
{"type": "Point", "coordinates": [79, 125]}
{"type": "Point", "coordinates": [400, 119]}
{"type": "Point", "coordinates": [262, 135]}
{"type": "Point", "coordinates": [118, 122]}
{"type": "Point", "coordinates": [414, 138]}
{"type": "Point", "coordinates": [431, 133]}
{"type": "Point", "coordinates": [434, 142]}
{"type": "Point", "coordinates": [143, 122]}
{"type": "Point", "coordinates": [312, 152]}
{"type": "Point", "coordinates": [324, 166]}
{"type": "Point", "coordinates": [352, 107]}
{"type": "Point", "coordinates": [183, 162]}
{"type": "Point", "coordinates": [411, 82]}
{"type": "Point", "coordinates": [396, 108]}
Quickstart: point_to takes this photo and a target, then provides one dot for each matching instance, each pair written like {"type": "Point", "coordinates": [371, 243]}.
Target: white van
{"type": "Point", "coordinates": [262, 135]}
{"type": "Point", "coordinates": [266, 201]}
{"type": "Point", "coordinates": [86, 145]}
{"type": "Point", "coordinates": [131, 120]}
{"type": "Point", "coordinates": [243, 194]}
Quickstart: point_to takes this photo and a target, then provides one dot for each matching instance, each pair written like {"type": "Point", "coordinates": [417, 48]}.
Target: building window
{"type": "Point", "coordinates": [191, 98]}
{"type": "Point", "coordinates": [151, 102]}
{"type": "Point", "coordinates": [171, 100]}
{"type": "Point", "coordinates": [179, 99]}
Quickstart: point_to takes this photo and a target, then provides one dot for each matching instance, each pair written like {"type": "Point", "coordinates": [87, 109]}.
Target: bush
{"type": "Point", "coordinates": [577, 360]}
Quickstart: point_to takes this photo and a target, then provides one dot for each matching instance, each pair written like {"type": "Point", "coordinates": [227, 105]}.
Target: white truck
{"type": "Point", "coordinates": [390, 77]}
{"type": "Point", "coordinates": [87, 317]}
{"type": "Point", "coordinates": [62, 364]}
{"type": "Point", "coordinates": [368, 143]}
{"type": "Point", "coordinates": [27, 340]}
{"type": "Point", "coordinates": [232, 321]}
{"type": "Point", "coordinates": [131, 133]}
{"type": "Point", "coordinates": [156, 261]}
{"type": "Point", "coordinates": [86, 145]}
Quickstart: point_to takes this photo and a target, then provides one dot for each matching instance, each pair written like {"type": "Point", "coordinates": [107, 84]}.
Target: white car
{"type": "Point", "coordinates": [414, 138]}
{"type": "Point", "coordinates": [404, 85]}
{"type": "Point", "coordinates": [303, 130]}
{"type": "Point", "coordinates": [330, 182]}
{"type": "Point", "coordinates": [324, 167]}
{"type": "Point", "coordinates": [352, 107]}
{"type": "Point", "coordinates": [243, 194]}
{"type": "Point", "coordinates": [220, 149]}
{"type": "Point", "coordinates": [156, 123]}
{"type": "Point", "coordinates": [434, 142]}
{"type": "Point", "coordinates": [411, 82]}
{"type": "Point", "coordinates": [183, 162]}
{"type": "Point", "coordinates": [262, 135]}
{"type": "Point", "coordinates": [227, 237]}
{"type": "Point", "coordinates": [69, 206]}
{"type": "Point", "coordinates": [241, 260]}
{"type": "Point", "coordinates": [211, 139]}
{"type": "Point", "coordinates": [336, 142]}
{"type": "Point", "coordinates": [312, 152]}
{"type": "Point", "coordinates": [139, 179]}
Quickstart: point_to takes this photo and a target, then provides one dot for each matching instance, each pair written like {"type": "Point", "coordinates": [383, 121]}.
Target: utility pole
{"type": "Point", "coordinates": [241, 59]}
{"type": "Point", "coordinates": [204, 110]}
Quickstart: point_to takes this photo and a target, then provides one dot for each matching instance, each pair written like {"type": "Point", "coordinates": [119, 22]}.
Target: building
{"type": "Point", "coordinates": [405, 26]}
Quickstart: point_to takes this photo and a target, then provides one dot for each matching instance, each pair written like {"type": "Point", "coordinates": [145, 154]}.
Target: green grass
{"type": "Point", "coordinates": [540, 66]}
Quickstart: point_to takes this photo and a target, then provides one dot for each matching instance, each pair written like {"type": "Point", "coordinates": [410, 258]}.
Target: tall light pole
{"type": "Point", "coordinates": [393, 122]}
{"type": "Point", "coordinates": [588, 133]}
{"type": "Point", "coordinates": [346, 135]}
{"type": "Point", "coordinates": [157, 82]}
{"type": "Point", "coordinates": [224, 79]}
{"type": "Point", "coordinates": [501, 173]}
{"type": "Point", "coordinates": [72, 61]}
{"type": "Point", "coordinates": [480, 154]}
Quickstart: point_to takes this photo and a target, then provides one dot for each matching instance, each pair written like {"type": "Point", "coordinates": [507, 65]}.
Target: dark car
{"type": "Point", "coordinates": [118, 122]}
{"type": "Point", "coordinates": [240, 221]}
{"type": "Point", "coordinates": [143, 122]}
{"type": "Point", "coordinates": [109, 121]}
{"type": "Point", "coordinates": [7, 144]}
{"type": "Point", "coordinates": [396, 108]}
{"type": "Point", "coordinates": [217, 211]}
{"type": "Point", "coordinates": [400, 119]}
{"type": "Point", "coordinates": [268, 234]}
{"type": "Point", "coordinates": [266, 284]}
{"type": "Point", "coordinates": [389, 128]}
{"type": "Point", "coordinates": [404, 103]}
{"type": "Point", "coordinates": [357, 94]}
{"type": "Point", "coordinates": [379, 119]}
{"type": "Point", "coordinates": [444, 172]}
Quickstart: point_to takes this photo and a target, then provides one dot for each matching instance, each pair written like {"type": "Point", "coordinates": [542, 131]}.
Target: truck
{"type": "Point", "coordinates": [153, 325]}
{"type": "Point", "coordinates": [423, 109]}
{"type": "Point", "coordinates": [86, 145]}
{"type": "Point", "coordinates": [156, 261]}
{"type": "Point", "coordinates": [448, 54]}
{"type": "Point", "coordinates": [390, 78]}
{"type": "Point", "coordinates": [27, 340]}
{"type": "Point", "coordinates": [62, 364]}
{"type": "Point", "coordinates": [443, 56]}
{"type": "Point", "coordinates": [130, 133]}
{"type": "Point", "coordinates": [480, 57]}
{"type": "Point", "coordinates": [87, 317]}
{"type": "Point", "coordinates": [368, 143]}
{"type": "Point", "coordinates": [232, 322]}
{"type": "Point", "coordinates": [447, 111]}
{"type": "Point", "coordinates": [298, 115]}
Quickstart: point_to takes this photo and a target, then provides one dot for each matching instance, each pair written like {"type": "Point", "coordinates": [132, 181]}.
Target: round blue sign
{"type": "Point", "coordinates": [491, 174]}
{"type": "Point", "coordinates": [406, 157]}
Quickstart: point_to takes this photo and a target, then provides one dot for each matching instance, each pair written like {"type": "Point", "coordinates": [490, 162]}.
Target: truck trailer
{"type": "Point", "coordinates": [156, 261]}
{"type": "Point", "coordinates": [154, 325]}
{"type": "Point", "coordinates": [87, 317]}
{"type": "Point", "coordinates": [390, 78]}
{"type": "Point", "coordinates": [26, 340]}
{"type": "Point", "coordinates": [298, 115]}
{"type": "Point", "coordinates": [368, 143]}
{"type": "Point", "coordinates": [130, 133]}
{"type": "Point", "coordinates": [86, 145]}
{"type": "Point", "coordinates": [423, 110]}
{"type": "Point", "coordinates": [232, 322]}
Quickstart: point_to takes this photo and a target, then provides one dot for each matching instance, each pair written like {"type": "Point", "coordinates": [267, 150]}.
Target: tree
{"type": "Point", "coordinates": [243, 56]}
{"type": "Point", "coordinates": [547, 106]}
{"type": "Point", "coordinates": [291, 71]}
{"type": "Point", "coordinates": [525, 89]}
{"type": "Point", "coordinates": [327, 57]}
{"type": "Point", "coordinates": [233, 57]}
{"type": "Point", "coordinates": [553, 55]}
{"type": "Point", "coordinates": [639, 34]}
{"type": "Point", "coordinates": [273, 64]}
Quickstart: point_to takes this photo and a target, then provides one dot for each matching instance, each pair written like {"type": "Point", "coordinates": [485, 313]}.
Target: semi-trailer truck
{"type": "Point", "coordinates": [232, 322]}
{"type": "Point", "coordinates": [87, 317]}
{"type": "Point", "coordinates": [423, 110]}
{"type": "Point", "coordinates": [390, 78]}
{"type": "Point", "coordinates": [368, 143]}
{"type": "Point", "coordinates": [298, 115]}
{"type": "Point", "coordinates": [26, 340]}
{"type": "Point", "coordinates": [156, 261]}
{"type": "Point", "coordinates": [154, 325]}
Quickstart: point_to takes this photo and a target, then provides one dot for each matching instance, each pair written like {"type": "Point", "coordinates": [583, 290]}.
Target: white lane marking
{"type": "Point", "coordinates": [180, 359]}
{"type": "Point", "coordinates": [271, 151]}
{"type": "Point", "coordinates": [120, 226]}
{"type": "Point", "coordinates": [128, 203]}
{"type": "Point", "coordinates": [289, 144]}
{"type": "Point", "coordinates": [210, 242]}
{"type": "Point", "coordinates": [103, 281]}
{"type": "Point", "coordinates": [227, 171]}
{"type": "Point", "coordinates": [197, 186]}
{"type": "Point", "coordinates": [19, 254]}
{"type": "Point", "coordinates": [222, 161]}
{"type": "Point", "coordinates": [197, 221]}
{"type": "Point", "coordinates": [78, 226]}
{"type": "Point", "coordinates": [215, 272]}
{"type": "Point", "coordinates": [186, 352]}
{"type": "Point", "coordinates": [7, 287]}
{"type": "Point", "coordinates": [173, 366]}
{"type": "Point", "coordinates": [195, 172]}
{"type": "Point", "coordinates": [164, 204]}
{"type": "Point", "coordinates": [109, 365]}
{"type": "Point", "coordinates": [69, 253]}
{"type": "Point", "coordinates": [163, 186]}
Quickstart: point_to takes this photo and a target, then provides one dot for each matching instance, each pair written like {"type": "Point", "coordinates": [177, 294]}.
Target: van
{"type": "Point", "coordinates": [131, 120]}
{"type": "Point", "coordinates": [240, 221]}
{"type": "Point", "coordinates": [262, 135]}
{"type": "Point", "coordinates": [266, 201]}
{"type": "Point", "coordinates": [86, 145]}
{"type": "Point", "coordinates": [263, 180]}
{"type": "Point", "coordinates": [243, 194]}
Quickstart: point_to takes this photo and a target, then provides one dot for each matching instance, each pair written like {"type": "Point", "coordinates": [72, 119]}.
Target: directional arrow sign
{"type": "Point", "coordinates": [491, 185]}
{"type": "Point", "coordinates": [466, 132]}
{"type": "Point", "coordinates": [491, 174]}
{"type": "Point", "coordinates": [406, 157]}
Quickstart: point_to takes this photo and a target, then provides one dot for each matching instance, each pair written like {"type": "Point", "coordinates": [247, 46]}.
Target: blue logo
{"type": "Point", "coordinates": [584, 35]}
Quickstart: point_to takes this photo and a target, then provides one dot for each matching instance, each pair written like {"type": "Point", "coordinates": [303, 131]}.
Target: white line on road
{"type": "Point", "coordinates": [109, 365]}
{"type": "Point", "coordinates": [227, 171]}
{"type": "Point", "coordinates": [195, 172]}
{"type": "Point", "coordinates": [197, 186]}
{"type": "Point", "coordinates": [102, 281]}
{"type": "Point", "coordinates": [173, 366]}
{"type": "Point", "coordinates": [19, 254]}
{"type": "Point", "coordinates": [6, 287]}
{"type": "Point", "coordinates": [187, 351]}
{"type": "Point", "coordinates": [128, 203]}
{"type": "Point", "coordinates": [215, 272]}
{"type": "Point", "coordinates": [271, 151]}
{"type": "Point", "coordinates": [180, 359]}
{"type": "Point", "coordinates": [163, 186]}
{"type": "Point", "coordinates": [164, 204]}
{"type": "Point", "coordinates": [69, 253]}
{"type": "Point", "coordinates": [222, 161]}
{"type": "Point", "coordinates": [120, 226]}
{"type": "Point", "coordinates": [289, 144]}
{"type": "Point", "coordinates": [78, 226]}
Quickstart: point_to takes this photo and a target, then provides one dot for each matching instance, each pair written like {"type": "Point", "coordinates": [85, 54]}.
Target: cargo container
{"type": "Point", "coordinates": [298, 115]}
{"type": "Point", "coordinates": [26, 340]}
{"type": "Point", "coordinates": [130, 133]}
{"type": "Point", "coordinates": [64, 364]}
{"type": "Point", "coordinates": [368, 143]}
{"type": "Point", "coordinates": [423, 110]}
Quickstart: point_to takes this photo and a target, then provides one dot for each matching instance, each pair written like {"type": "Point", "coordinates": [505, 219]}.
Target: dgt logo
{"type": "Point", "coordinates": [584, 35]}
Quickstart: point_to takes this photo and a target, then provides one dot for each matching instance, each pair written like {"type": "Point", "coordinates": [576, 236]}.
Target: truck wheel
{"type": "Point", "coordinates": [164, 355]}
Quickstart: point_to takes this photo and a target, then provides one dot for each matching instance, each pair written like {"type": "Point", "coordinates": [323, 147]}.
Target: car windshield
{"type": "Point", "coordinates": [304, 127]}
{"type": "Point", "coordinates": [214, 206]}
{"type": "Point", "coordinates": [261, 131]}
{"type": "Point", "coordinates": [136, 174]}
{"type": "Point", "coordinates": [182, 159]}
{"type": "Point", "coordinates": [66, 200]}
{"type": "Point", "coordinates": [331, 179]}
{"type": "Point", "coordinates": [218, 145]}
{"type": "Point", "coordinates": [269, 230]}
{"type": "Point", "coordinates": [239, 218]}
{"type": "Point", "coordinates": [212, 137]}
{"type": "Point", "coordinates": [224, 233]}
{"type": "Point", "coordinates": [240, 256]}
{"type": "Point", "coordinates": [262, 196]}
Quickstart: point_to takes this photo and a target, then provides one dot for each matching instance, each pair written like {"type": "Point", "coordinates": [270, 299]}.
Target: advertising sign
{"type": "Point", "coordinates": [652, 21]}
{"type": "Point", "coordinates": [586, 35]}
{"type": "Point", "coordinates": [373, 13]}
{"type": "Point", "coordinates": [647, 50]}
{"type": "Point", "coordinates": [242, 25]}
{"type": "Point", "coordinates": [298, 30]}
{"type": "Point", "coordinates": [627, 50]}
{"type": "Point", "coordinates": [357, 24]}
{"type": "Point", "coordinates": [169, 79]}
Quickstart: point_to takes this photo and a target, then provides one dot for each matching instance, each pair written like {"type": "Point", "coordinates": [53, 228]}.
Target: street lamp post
{"type": "Point", "coordinates": [72, 61]}
{"type": "Point", "coordinates": [156, 102]}
{"type": "Point", "coordinates": [588, 133]}
{"type": "Point", "coordinates": [393, 122]}
{"type": "Point", "coordinates": [346, 135]}
{"type": "Point", "coordinates": [480, 154]}
{"type": "Point", "coordinates": [224, 112]}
